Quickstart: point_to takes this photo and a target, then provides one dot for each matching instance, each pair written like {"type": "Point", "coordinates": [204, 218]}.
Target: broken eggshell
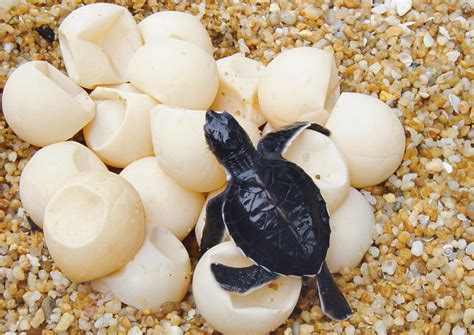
{"type": "Point", "coordinates": [40, 178]}
{"type": "Point", "coordinates": [178, 25]}
{"type": "Point", "coordinates": [300, 84]}
{"type": "Point", "coordinates": [176, 73]}
{"type": "Point", "coordinates": [120, 131]}
{"type": "Point", "coordinates": [370, 135]}
{"type": "Point", "coordinates": [93, 225]}
{"type": "Point", "coordinates": [238, 87]}
{"type": "Point", "coordinates": [166, 203]}
{"type": "Point", "coordinates": [320, 158]}
{"type": "Point", "coordinates": [160, 272]}
{"type": "Point", "coordinates": [97, 42]}
{"type": "Point", "coordinates": [188, 160]}
{"type": "Point", "coordinates": [257, 312]}
{"type": "Point", "coordinates": [43, 106]}
{"type": "Point", "coordinates": [351, 232]}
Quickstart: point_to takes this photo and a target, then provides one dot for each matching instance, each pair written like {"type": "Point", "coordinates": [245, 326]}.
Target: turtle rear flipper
{"type": "Point", "coordinates": [241, 280]}
{"type": "Point", "coordinates": [333, 303]}
{"type": "Point", "coordinates": [278, 141]}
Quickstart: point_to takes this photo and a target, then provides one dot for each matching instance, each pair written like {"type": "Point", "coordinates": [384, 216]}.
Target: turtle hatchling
{"type": "Point", "coordinates": [271, 209]}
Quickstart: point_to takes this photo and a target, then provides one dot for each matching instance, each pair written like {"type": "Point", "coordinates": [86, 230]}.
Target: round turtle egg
{"type": "Point", "coordinates": [97, 42]}
{"type": "Point", "coordinates": [181, 148]}
{"type": "Point", "coordinates": [93, 225]}
{"type": "Point", "coordinates": [370, 136]}
{"type": "Point", "coordinates": [120, 131]}
{"type": "Point", "coordinates": [176, 73]}
{"type": "Point", "coordinates": [166, 203]}
{"type": "Point", "coordinates": [351, 232]}
{"type": "Point", "coordinates": [299, 84]}
{"type": "Point", "coordinates": [41, 177]}
{"type": "Point", "coordinates": [178, 25]}
{"type": "Point", "coordinates": [238, 87]}
{"type": "Point", "coordinates": [43, 106]}
{"type": "Point", "coordinates": [258, 312]}
{"type": "Point", "coordinates": [160, 272]}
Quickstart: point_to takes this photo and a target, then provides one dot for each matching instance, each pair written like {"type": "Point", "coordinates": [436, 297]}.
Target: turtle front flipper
{"type": "Point", "coordinates": [241, 280]}
{"type": "Point", "coordinates": [214, 230]}
{"type": "Point", "coordinates": [333, 302]}
{"type": "Point", "coordinates": [277, 142]}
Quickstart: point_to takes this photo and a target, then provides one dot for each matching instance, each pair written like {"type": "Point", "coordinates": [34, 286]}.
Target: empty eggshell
{"type": "Point", "coordinates": [370, 136]}
{"type": "Point", "coordinates": [176, 73]}
{"type": "Point", "coordinates": [238, 87]}
{"type": "Point", "coordinates": [351, 232]}
{"type": "Point", "coordinates": [166, 202]}
{"type": "Point", "coordinates": [258, 312]}
{"type": "Point", "coordinates": [319, 157]}
{"type": "Point", "coordinates": [160, 272]}
{"type": "Point", "coordinates": [120, 131]}
{"type": "Point", "coordinates": [93, 225]}
{"type": "Point", "coordinates": [97, 42]}
{"type": "Point", "coordinates": [43, 106]}
{"type": "Point", "coordinates": [182, 151]}
{"type": "Point", "coordinates": [300, 84]}
{"type": "Point", "coordinates": [174, 24]}
{"type": "Point", "coordinates": [48, 170]}
{"type": "Point", "coordinates": [201, 222]}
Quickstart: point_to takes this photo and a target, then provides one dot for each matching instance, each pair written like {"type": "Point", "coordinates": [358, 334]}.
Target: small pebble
{"type": "Point", "coordinates": [412, 316]}
{"type": "Point", "coordinates": [389, 267]}
{"type": "Point", "coordinates": [136, 331]}
{"type": "Point", "coordinates": [417, 248]}
{"type": "Point", "coordinates": [470, 249]}
{"type": "Point", "coordinates": [65, 322]}
{"type": "Point", "coordinates": [428, 41]}
{"type": "Point", "coordinates": [458, 331]}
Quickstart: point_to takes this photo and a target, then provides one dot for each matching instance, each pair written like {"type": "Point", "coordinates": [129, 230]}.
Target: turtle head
{"type": "Point", "coordinates": [225, 137]}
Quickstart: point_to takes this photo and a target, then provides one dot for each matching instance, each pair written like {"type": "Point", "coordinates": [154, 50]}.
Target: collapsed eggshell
{"type": "Point", "coordinates": [258, 312]}
{"type": "Point", "coordinates": [351, 232]}
{"type": "Point", "coordinates": [120, 131]}
{"type": "Point", "coordinates": [238, 87]}
{"type": "Point", "coordinates": [43, 106]}
{"type": "Point", "coordinates": [201, 222]}
{"type": "Point", "coordinates": [176, 73]}
{"type": "Point", "coordinates": [370, 136]}
{"type": "Point", "coordinates": [166, 203]}
{"type": "Point", "coordinates": [178, 25]}
{"type": "Point", "coordinates": [97, 42]}
{"type": "Point", "coordinates": [48, 170]}
{"type": "Point", "coordinates": [93, 225]}
{"type": "Point", "coordinates": [182, 151]}
{"type": "Point", "coordinates": [160, 272]}
{"type": "Point", "coordinates": [299, 84]}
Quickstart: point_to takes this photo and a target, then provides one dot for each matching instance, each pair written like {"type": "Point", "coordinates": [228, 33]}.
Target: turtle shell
{"type": "Point", "coordinates": [275, 213]}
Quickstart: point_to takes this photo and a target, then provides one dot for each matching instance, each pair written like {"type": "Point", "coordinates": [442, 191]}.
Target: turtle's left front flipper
{"type": "Point", "coordinates": [278, 141]}
{"type": "Point", "coordinates": [333, 302]}
{"type": "Point", "coordinates": [241, 280]}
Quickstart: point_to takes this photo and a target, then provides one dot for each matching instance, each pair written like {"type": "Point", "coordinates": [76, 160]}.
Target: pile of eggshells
{"type": "Point", "coordinates": [151, 85]}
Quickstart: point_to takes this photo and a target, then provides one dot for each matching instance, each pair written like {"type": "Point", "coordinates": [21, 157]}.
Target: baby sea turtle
{"type": "Point", "coordinates": [271, 209]}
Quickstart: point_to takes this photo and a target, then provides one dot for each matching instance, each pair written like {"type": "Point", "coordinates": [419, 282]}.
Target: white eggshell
{"type": "Point", "coordinates": [93, 225]}
{"type": "Point", "coordinates": [300, 84]}
{"type": "Point", "coordinates": [178, 25]}
{"type": "Point", "coordinates": [319, 157]}
{"type": "Point", "coordinates": [370, 135]}
{"type": "Point", "coordinates": [160, 272]}
{"type": "Point", "coordinates": [97, 42]}
{"type": "Point", "coordinates": [182, 151]}
{"type": "Point", "coordinates": [201, 222]}
{"type": "Point", "coordinates": [351, 232]}
{"type": "Point", "coordinates": [238, 87]}
{"type": "Point", "coordinates": [43, 106]}
{"type": "Point", "coordinates": [120, 131]}
{"type": "Point", "coordinates": [176, 73]}
{"type": "Point", "coordinates": [48, 170]}
{"type": "Point", "coordinates": [258, 312]}
{"type": "Point", "coordinates": [166, 202]}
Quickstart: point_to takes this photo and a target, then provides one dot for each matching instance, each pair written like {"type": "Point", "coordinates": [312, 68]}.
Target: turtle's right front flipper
{"type": "Point", "coordinates": [278, 141]}
{"type": "Point", "coordinates": [241, 280]}
{"type": "Point", "coordinates": [333, 302]}
{"type": "Point", "coordinates": [214, 229]}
